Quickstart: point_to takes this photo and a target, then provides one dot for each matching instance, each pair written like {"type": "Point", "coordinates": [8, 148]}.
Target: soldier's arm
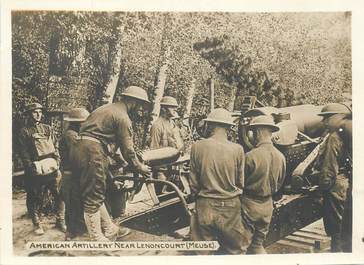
{"type": "Point", "coordinates": [330, 165]}
{"type": "Point", "coordinates": [124, 134]}
{"type": "Point", "coordinates": [23, 152]}
{"type": "Point", "coordinates": [56, 147]}
{"type": "Point", "coordinates": [194, 183]}
{"type": "Point", "coordinates": [241, 168]}
{"type": "Point", "coordinates": [249, 165]}
{"type": "Point", "coordinates": [155, 137]}
{"type": "Point", "coordinates": [282, 176]}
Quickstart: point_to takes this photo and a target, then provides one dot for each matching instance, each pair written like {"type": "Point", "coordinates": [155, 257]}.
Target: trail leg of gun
{"type": "Point", "coordinates": [186, 185]}
{"type": "Point", "coordinates": [152, 193]}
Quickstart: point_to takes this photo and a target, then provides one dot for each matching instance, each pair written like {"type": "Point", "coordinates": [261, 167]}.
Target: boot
{"type": "Point", "coordinates": [336, 243]}
{"type": "Point", "coordinates": [112, 231]}
{"type": "Point", "coordinates": [256, 246]}
{"type": "Point", "coordinates": [93, 224]}
{"type": "Point", "coordinates": [38, 229]}
{"type": "Point", "coordinates": [60, 224]}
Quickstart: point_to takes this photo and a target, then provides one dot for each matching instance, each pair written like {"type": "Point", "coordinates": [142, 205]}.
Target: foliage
{"type": "Point", "coordinates": [306, 54]}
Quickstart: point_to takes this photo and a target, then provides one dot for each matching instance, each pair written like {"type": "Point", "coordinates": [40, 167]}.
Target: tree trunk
{"type": "Point", "coordinates": [212, 95]}
{"type": "Point", "coordinates": [190, 95]}
{"type": "Point", "coordinates": [159, 89]}
{"type": "Point", "coordinates": [233, 90]}
{"type": "Point", "coordinates": [115, 67]}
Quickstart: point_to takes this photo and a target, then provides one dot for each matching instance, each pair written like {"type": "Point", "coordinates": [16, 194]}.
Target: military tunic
{"type": "Point", "coordinates": [162, 134]}
{"type": "Point", "coordinates": [217, 178]}
{"type": "Point", "coordinates": [265, 169]}
{"type": "Point", "coordinates": [334, 183]}
{"type": "Point", "coordinates": [70, 187]}
{"type": "Point", "coordinates": [108, 124]}
{"type": "Point", "coordinates": [38, 142]}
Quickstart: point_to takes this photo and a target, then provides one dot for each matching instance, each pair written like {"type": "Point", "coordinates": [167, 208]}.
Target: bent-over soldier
{"type": "Point", "coordinates": [334, 177]}
{"type": "Point", "coordinates": [265, 168]}
{"type": "Point", "coordinates": [217, 179]}
{"type": "Point", "coordinates": [70, 188]}
{"type": "Point", "coordinates": [41, 160]}
{"type": "Point", "coordinates": [108, 124]}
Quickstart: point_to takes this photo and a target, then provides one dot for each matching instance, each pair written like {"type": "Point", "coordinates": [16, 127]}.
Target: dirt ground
{"type": "Point", "coordinates": [23, 233]}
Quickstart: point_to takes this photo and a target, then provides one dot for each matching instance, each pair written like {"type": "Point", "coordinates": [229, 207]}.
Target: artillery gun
{"type": "Point", "coordinates": [296, 205]}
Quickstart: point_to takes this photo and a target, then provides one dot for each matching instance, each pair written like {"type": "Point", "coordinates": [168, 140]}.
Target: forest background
{"type": "Point", "coordinates": [86, 59]}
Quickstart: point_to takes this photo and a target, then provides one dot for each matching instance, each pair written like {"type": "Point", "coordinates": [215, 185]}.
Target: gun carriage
{"type": "Point", "coordinates": [296, 205]}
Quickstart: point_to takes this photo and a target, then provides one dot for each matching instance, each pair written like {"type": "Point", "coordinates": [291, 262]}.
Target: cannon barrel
{"type": "Point", "coordinates": [303, 116]}
{"type": "Point", "coordinates": [159, 157]}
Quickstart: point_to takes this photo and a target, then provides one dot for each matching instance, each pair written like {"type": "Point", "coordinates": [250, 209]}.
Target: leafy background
{"type": "Point", "coordinates": [66, 59]}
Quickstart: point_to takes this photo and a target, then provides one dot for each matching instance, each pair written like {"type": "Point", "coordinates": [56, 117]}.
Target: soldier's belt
{"type": "Point", "coordinates": [254, 195]}
{"type": "Point", "coordinates": [90, 139]}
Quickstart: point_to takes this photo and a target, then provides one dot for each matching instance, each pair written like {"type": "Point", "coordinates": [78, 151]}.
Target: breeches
{"type": "Point", "coordinates": [90, 162]}
{"type": "Point", "coordinates": [73, 203]}
{"type": "Point", "coordinates": [333, 206]}
{"type": "Point", "coordinates": [220, 219]}
{"type": "Point", "coordinates": [35, 187]}
{"type": "Point", "coordinates": [258, 213]}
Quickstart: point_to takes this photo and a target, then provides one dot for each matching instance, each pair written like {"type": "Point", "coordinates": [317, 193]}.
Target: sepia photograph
{"type": "Point", "coordinates": [181, 133]}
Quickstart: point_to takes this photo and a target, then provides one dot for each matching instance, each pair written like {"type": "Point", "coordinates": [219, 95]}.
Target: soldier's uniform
{"type": "Point", "coordinates": [334, 177]}
{"type": "Point", "coordinates": [162, 134]}
{"type": "Point", "coordinates": [334, 183]}
{"type": "Point", "coordinates": [38, 142]}
{"type": "Point", "coordinates": [265, 169]}
{"type": "Point", "coordinates": [217, 177]}
{"type": "Point", "coordinates": [107, 125]}
{"type": "Point", "coordinates": [70, 187]}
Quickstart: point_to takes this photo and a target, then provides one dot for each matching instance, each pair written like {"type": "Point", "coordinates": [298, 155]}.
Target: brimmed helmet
{"type": "Point", "coordinates": [263, 121]}
{"type": "Point", "coordinates": [168, 101]}
{"type": "Point", "coordinates": [136, 92]}
{"type": "Point", "coordinates": [220, 115]}
{"type": "Point", "coordinates": [334, 108]}
{"type": "Point", "coordinates": [77, 114]}
{"type": "Point", "coordinates": [33, 106]}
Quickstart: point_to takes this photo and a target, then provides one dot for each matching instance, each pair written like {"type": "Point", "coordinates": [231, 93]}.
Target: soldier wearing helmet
{"type": "Point", "coordinates": [217, 180]}
{"type": "Point", "coordinates": [161, 132]}
{"type": "Point", "coordinates": [41, 159]}
{"type": "Point", "coordinates": [265, 169]}
{"type": "Point", "coordinates": [109, 124]}
{"type": "Point", "coordinates": [70, 187]}
{"type": "Point", "coordinates": [335, 176]}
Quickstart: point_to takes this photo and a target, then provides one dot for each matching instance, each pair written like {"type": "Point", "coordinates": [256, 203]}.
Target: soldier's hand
{"type": "Point", "coordinates": [144, 169]}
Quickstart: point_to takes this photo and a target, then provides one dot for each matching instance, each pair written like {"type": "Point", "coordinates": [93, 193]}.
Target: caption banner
{"type": "Point", "coordinates": [132, 245]}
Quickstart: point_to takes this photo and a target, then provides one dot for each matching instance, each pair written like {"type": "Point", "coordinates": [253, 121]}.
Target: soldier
{"type": "Point", "coordinates": [217, 180]}
{"type": "Point", "coordinates": [71, 182]}
{"type": "Point", "coordinates": [265, 169]}
{"type": "Point", "coordinates": [162, 130]}
{"type": "Point", "coordinates": [163, 133]}
{"type": "Point", "coordinates": [108, 124]}
{"type": "Point", "coordinates": [334, 178]}
{"type": "Point", "coordinates": [40, 158]}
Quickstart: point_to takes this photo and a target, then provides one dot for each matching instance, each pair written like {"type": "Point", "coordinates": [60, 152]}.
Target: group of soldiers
{"type": "Point", "coordinates": [233, 189]}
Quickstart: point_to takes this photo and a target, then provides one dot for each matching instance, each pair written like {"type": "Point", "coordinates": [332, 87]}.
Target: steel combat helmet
{"type": "Point", "coordinates": [136, 92]}
{"type": "Point", "coordinates": [334, 108]}
{"type": "Point", "coordinates": [168, 101]}
{"type": "Point", "coordinates": [33, 106]}
{"type": "Point", "coordinates": [263, 121]}
{"type": "Point", "coordinates": [220, 115]}
{"type": "Point", "coordinates": [77, 114]}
